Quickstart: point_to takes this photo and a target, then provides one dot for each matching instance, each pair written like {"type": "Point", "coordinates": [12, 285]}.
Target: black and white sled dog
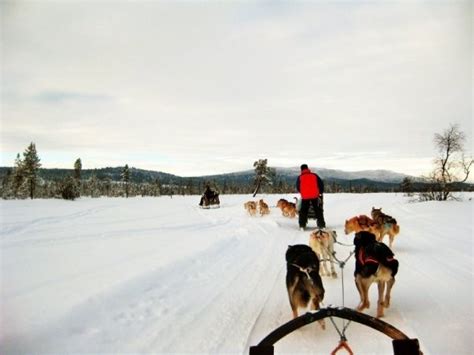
{"type": "Point", "coordinates": [375, 262]}
{"type": "Point", "coordinates": [303, 283]}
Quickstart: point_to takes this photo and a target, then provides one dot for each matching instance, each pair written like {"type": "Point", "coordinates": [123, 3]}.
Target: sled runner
{"type": "Point", "coordinates": [402, 344]}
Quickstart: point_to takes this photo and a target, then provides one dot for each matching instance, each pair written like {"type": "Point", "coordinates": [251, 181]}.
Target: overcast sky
{"type": "Point", "coordinates": [195, 88]}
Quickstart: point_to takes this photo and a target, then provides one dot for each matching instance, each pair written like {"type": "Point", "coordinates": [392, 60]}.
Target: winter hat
{"type": "Point", "coordinates": [304, 167]}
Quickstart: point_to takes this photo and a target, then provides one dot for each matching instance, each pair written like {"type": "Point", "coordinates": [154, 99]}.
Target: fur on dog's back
{"type": "Point", "coordinates": [322, 243]}
{"type": "Point", "coordinates": [387, 224]}
{"type": "Point", "coordinates": [361, 223]}
{"type": "Point", "coordinates": [382, 218]}
{"type": "Point", "coordinates": [303, 282]}
{"type": "Point", "coordinates": [251, 207]}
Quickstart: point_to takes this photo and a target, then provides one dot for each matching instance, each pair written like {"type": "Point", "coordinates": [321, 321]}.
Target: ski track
{"type": "Point", "coordinates": [214, 281]}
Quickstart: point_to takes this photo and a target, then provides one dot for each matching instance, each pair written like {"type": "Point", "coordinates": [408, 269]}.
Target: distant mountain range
{"type": "Point", "coordinates": [142, 175]}
{"type": "Point", "coordinates": [336, 180]}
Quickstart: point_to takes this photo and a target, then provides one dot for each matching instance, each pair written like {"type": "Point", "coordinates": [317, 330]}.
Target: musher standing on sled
{"type": "Point", "coordinates": [311, 188]}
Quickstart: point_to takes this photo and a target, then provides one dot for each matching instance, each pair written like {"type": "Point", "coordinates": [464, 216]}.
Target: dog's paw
{"type": "Point", "coordinates": [334, 275]}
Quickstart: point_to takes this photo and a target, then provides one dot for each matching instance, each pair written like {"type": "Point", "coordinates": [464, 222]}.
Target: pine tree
{"type": "Point", "coordinates": [263, 175]}
{"type": "Point", "coordinates": [94, 186]}
{"type": "Point", "coordinates": [17, 176]}
{"type": "Point", "coordinates": [77, 169]}
{"type": "Point", "coordinates": [68, 188]}
{"type": "Point", "coordinates": [407, 186]}
{"type": "Point", "coordinates": [126, 179]}
{"type": "Point", "coordinates": [30, 165]}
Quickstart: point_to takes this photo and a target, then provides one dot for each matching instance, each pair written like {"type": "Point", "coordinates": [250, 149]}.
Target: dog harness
{"type": "Point", "coordinates": [365, 259]}
{"type": "Point", "coordinates": [305, 271]}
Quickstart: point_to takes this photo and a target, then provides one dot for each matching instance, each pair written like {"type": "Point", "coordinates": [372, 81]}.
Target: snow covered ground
{"type": "Point", "coordinates": [160, 275]}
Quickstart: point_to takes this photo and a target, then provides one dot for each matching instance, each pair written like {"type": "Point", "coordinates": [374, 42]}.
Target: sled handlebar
{"type": "Point", "coordinates": [402, 344]}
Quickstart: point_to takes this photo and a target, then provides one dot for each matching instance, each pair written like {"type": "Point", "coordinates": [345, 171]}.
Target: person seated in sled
{"type": "Point", "coordinates": [208, 196]}
{"type": "Point", "coordinates": [311, 188]}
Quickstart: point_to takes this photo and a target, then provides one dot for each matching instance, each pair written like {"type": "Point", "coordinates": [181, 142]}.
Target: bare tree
{"type": "Point", "coordinates": [451, 167]}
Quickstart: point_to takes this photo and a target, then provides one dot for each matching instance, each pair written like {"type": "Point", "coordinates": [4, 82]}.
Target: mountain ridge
{"type": "Point", "coordinates": [145, 175]}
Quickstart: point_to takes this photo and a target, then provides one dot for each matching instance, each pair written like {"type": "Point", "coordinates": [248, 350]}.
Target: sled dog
{"type": "Point", "coordinates": [388, 225]}
{"type": "Point", "coordinates": [251, 207]}
{"type": "Point", "coordinates": [303, 283]}
{"type": "Point", "coordinates": [374, 263]}
{"type": "Point", "coordinates": [288, 209]}
{"type": "Point", "coordinates": [361, 223]}
{"type": "Point", "coordinates": [322, 243]}
{"type": "Point", "coordinates": [263, 208]}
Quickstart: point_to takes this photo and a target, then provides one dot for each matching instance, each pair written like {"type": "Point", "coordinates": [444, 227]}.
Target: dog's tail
{"type": "Point", "coordinates": [393, 265]}
{"type": "Point", "coordinates": [396, 228]}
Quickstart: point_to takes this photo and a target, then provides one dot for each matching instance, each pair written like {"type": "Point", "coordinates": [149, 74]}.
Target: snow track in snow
{"type": "Point", "coordinates": [161, 275]}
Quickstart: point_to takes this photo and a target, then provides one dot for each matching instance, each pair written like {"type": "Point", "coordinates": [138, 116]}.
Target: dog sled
{"type": "Point", "coordinates": [402, 344]}
{"type": "Point", "coordinates": [210, 201]}
{"type": "Point", "coordinates": [311, 212]}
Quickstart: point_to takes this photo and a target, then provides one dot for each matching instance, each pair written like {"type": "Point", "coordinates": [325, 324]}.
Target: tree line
{"type": "Point", "coordinates": [451, 170]}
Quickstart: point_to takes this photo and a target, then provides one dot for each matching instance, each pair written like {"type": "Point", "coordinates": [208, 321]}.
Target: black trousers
{"type": "Point", "coordinates": [318, 210]}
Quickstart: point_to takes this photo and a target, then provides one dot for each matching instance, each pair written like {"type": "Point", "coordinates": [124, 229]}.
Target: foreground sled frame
{"type": "Point", "coordinates": [402, 344]}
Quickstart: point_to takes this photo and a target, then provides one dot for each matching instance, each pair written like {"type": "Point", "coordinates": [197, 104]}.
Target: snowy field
{"type": "Point", "coordinates": [160, 275]}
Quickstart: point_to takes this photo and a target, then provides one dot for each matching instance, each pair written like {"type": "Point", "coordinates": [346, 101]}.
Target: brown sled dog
{"type": "Point", "coordinates": [251, 207]}
{"type": "Point", "coordinates": [322, 243]}
{"type": "Point", "coordinates": [303, 283]}
{"type": "Point", "coordinates": [388, 225]}
{"type": "Point", "coordinates": [361, 223]}
{"type": "Point", "coordinates": [263, 208]}
{"type": "Point", "coordinates": [374, 263]}
{"type": "Point", "coordinates": [288, 209]}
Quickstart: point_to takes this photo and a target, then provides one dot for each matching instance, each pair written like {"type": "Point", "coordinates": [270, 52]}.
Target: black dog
{"type": "Point", "coordinates": [374, 263]}
{"type": "Point", "coordinates": [303, 282]}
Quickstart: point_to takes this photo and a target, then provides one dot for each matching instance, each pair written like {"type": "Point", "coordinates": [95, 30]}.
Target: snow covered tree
{"type": "Point", "coordinates": [406, 186]}
{"type": "Point", "coordinates": [451, 167]}
{"type": "Point", "coordinates": [77, 169]}
{"type": "Point", "coordinates": [126, 179]}
{"type": "Point", "coordinates": [94, 186]}
{"type": "Point", "coordinates": [30, 167]}
{"type": "Point", "coordinates": [68, 188]}
{"type": "Point", "coordinates": [263, 175]}
{"type": "Point", "coordinates": [17, 176]}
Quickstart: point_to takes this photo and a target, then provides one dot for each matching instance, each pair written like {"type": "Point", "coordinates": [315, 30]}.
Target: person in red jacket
{"type": "Point", "coordinates": [311, 188]}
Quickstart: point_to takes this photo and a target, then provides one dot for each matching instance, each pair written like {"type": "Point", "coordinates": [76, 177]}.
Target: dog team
{"type": "Point", "coordinates": [374, 261]}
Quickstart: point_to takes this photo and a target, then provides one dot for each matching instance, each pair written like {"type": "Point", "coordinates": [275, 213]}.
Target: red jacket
{"type": "Point", "coordinates": [307, 185]}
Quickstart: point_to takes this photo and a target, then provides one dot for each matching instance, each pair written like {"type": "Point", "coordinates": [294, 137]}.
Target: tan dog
{"type": "Point", "coordinates": [388, 225]}
{"type": "Point", "coordinates": [362, 223]}
{"type": "Point", "coordinates": [251, 207]}
{"type": "Point", "coordinates": [322, 243]}
{"type": "Point", "coordinates": [288, 209]}
{"type": "Point", "coordinates": [263, 208]}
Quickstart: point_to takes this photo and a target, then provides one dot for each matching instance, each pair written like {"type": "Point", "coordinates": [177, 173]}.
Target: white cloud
{"type": "Point", "coordinates": [215, 86]}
